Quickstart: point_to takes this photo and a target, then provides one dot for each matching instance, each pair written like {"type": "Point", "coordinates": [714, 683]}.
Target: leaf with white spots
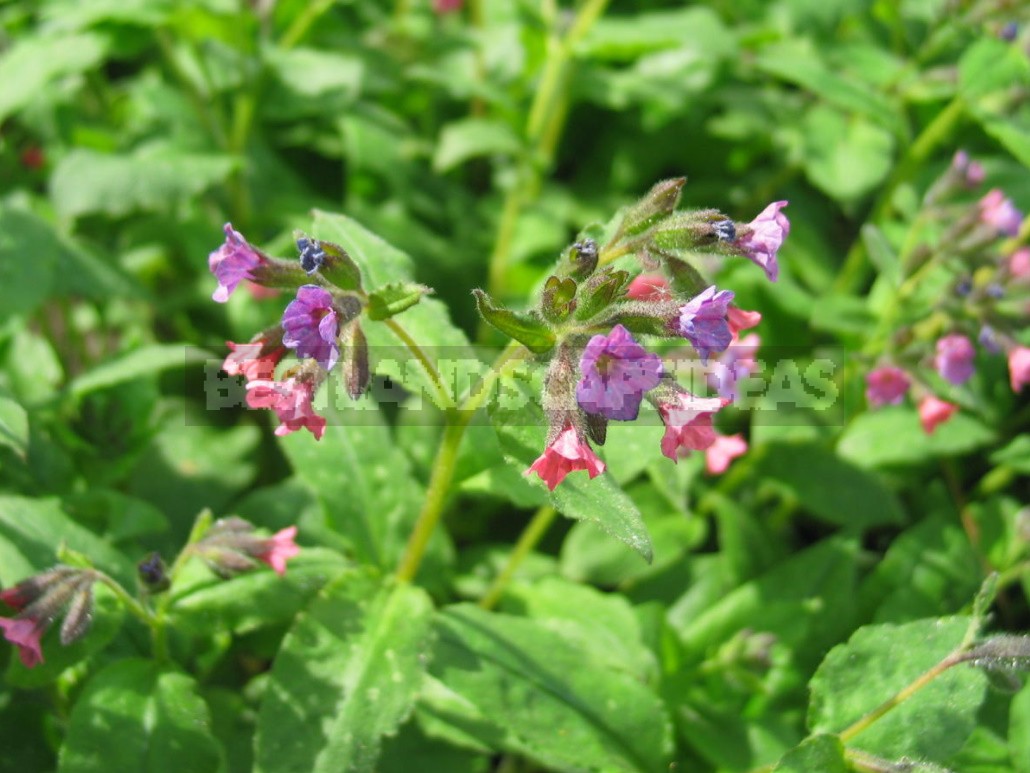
{"type": "Point", "coordinates": [347, 674]}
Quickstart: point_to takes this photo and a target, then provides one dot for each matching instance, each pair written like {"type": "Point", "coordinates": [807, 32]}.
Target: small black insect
{"type": "Point", "coordinates": [311, 254]}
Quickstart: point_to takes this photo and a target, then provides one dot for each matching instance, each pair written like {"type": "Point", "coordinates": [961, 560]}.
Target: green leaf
{"type": "Point", "coordinates": [990, 65]}
{"type": "Point", "coordinates": [1019, 730]}
{"type": "Point", "coordinates": [472, 137]}
{"type": "Point", "coordinates": [530, 693]}
{"type": "Point", "coordinates": [845, 156]}
{"type": "Point", "coordinates": [346, 675]}
{"type": "Point", "coordinates": [524, 327]}
{"type": "Point", "coordinates": [892, 436]}
{"type": "Point", "coordinates": [14, 426]}
{"type": "Point", "coordinates": [30, 68]}
{"type": "Point", "coordinates": [153, 178]}
{"type": "Point", "coordinates": [139, 363]}
{"type": "Point", "coordinates": [830, 487]}
{"type": "Point", "coordinates": [880, 660]}
{"type": "Point", "coordinates": [29, 250]}
{"type": "Point", "coordinates": [363, 480]}
{"type": "Point", "coordinates": [1015, 455]}
{"type": "Point", "coordinates": [392, 299]}
{"type": "Point", "coordinates": [154, 712]}
{"type": "Point", "coordinates": [823, 753]}
{"type": "Point", "coordinates": [696, 31]}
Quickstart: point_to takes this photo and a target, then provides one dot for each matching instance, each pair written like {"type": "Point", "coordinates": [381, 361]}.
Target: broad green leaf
{"type": "Point", "coordinates": [892, 436]}
{"type": "Point", "coordinates": [991, 64]}
{"type": "Point", "coordinates": [531, 694]}
{"type": "Point", "coordinates": [30, 68]}
{"type": "Point", "coordinates": [842, 314]}
{"type": "Point", "coordinates": [1019, 730]}
{"type": "Point", "coordinates": [1012, 132]}
{"type": "Point", "coordinates": [697, 30]}
{"type": "Point", "coordinates": [73, 15]}
{"type": "Point", "coordinates": [107, 618]}
{"type": "Point", "coordinates": [432, 755]}
{"type": "Point", "coordinates": [14, 426]}
{"type": "Point", "coordinates": [822, 753]}
{"type": "Point", "coordinates": [346, 675]}
{"type": "Point", "coordinates": [471, 137]}
{"type": "Point", "coordinates": [845, 156]}
{"type": "Point", "coordinates": [829, 487]}
{"type": "Point", "coordinates": [158, 177]}
{"type": "Point", "coordinates": [1015, 455]}
{"type": "Point", "coordinates": [154, 712]}
{"type": "Point", "coordinates": [37, 527]}
{"type": "Point", "coordinates": [390, 300]}
{"type": "Point", "coordinates": [138, 363]}
{"type": "Point", "coordinates": [363, 481]}
{"type": "Point", "coordinates": [880, 660]}
{"type": "Point", "coordinates": [29, 255]}
{"type": "Point", "coordinates": [256, 598]}
{"type": "Point", "coordinates": [881, 253]}
{"type": "Point", "coordinates": [807, 601]}
{"type": "Point", "coordinates": [521, 431]}
{"type": "Point", "coordinates": [310, 76]}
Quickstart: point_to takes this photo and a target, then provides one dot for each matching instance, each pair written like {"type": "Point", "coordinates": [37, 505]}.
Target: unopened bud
{"type": "Point", "coordinates": [558, 299]}
{"type": "Point", "coordinates": [153, 573]}
{"type": "Point", "coordinates": [599, 292]}
{"type": "Point", "coordinates": [330, 260]}
{"type": "Point", "coordinates": [354, 360]}
{"type": "Point", "coordinates": [582, 258]}
{"type": "Point", "coordinates": [657, 204]}
{"type": "Point", "coordinates": [79, 617]}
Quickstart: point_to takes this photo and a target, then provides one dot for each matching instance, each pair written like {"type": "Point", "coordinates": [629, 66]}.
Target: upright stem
{"type": "Point", "coordinates": [530, 537]}
{"type": "Point", "coordinates": [443, 396]}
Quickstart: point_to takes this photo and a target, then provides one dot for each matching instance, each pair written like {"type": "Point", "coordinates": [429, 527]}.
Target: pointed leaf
{"type": "Point", "coordinates": [392, 299]}
{"type": "Point", "coordinates": [824, 753]}
{"type": "Point", "coordinates": [347, 674]}
{"type": "Point", "coordinates": [528, 330]}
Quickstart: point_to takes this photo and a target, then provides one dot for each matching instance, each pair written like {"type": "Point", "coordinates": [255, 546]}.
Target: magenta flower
{"type": "Point", "coordinates": [24, 633]}
{"type": "Point", "coordinates": [971, 172]}
{"type": "Point", "coordinates": [278, 549]}
{"type": "Point", "coordinates": [688, 423]}
{"type": "Point", "coordinates": [649, 287]}
{"type": "Point", "coordinates": [764, 237]}
{"type": "Point", "coordinates": [933, 412]}
{"type": "Point", "coordinates": [446, 6]}
{"type": "Point", "coordinates": [291, 400]}
{"type": "Point", "coordinates": [998, 211]}
{"type": "Point", "coordinates": [255, 361]}
{"type": "Point", "coordinates": [722, 452]}
{"type": "Point", "coordinates": [311, 325]}
{"type": "Point", "coordinates": [1019, 367]}
{"type": "Point", "coordinates": [954, 358]}
{"type": "Point", "coordinates": [886, 385]}
{"type": "Point", "coordinates": [739, 319]}
{"type": "Point", "coordinates": [616, 371]}
{"type": "Point", "coordinates": [233, 262]}
{"type": "Point", "coordinates": [567, 453]}
{"type": "Point", "coordinates": [704, 321]}
{"type": "Point", "coordinates": [1019, 263]}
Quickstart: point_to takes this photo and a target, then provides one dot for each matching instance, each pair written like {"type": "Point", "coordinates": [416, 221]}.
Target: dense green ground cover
{"type": "Point", "coordinates": [848, 593]}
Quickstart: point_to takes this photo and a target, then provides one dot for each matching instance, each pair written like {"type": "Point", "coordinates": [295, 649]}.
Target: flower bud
{"type": "Point", "coordinates": [657, 203]}
{"type": "Point", "coordinates": [153, 574]}
{"type": "Point", "coordinates": [354, 360]}
{"type": "Point", "coordinates": [558, 299]}
{"type": "Point", "coordinates": [524, 327]}
{"type": "Point", "coordinates": [582, 259]}
{"type": "Point", "coordinates": [328, 259]}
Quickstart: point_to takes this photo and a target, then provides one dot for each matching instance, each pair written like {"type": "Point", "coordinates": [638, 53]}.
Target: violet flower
{"type": "Point", "coordinates": [616, 372]}
{"type": "Point", "coordinates": [954, 358]}
{"type": "Point", "coordinates": [998, 211]}
{"type": "Point", "coordinates": [764, 238]}
{"type": "Point", "coordinates": [311, 325]}
{"type": "Point", "coordinates": [704, 321]}
{"type": "Point", "coordinates": [233, 262]}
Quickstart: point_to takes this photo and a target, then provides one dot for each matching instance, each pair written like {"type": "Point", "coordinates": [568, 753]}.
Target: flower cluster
{"type": "Point", "coordinates": [990, 299]}
{"type": "Point", "coordinates": [591, 316]}
{"type": "Point", "coordinates": [39, 601]}
{"type": "Point", "coordinates": [321, 325]}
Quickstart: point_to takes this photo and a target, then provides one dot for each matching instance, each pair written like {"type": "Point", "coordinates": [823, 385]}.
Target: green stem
{"type": "Point", "coordinates": [444, 464]}
{"type": "Point", "coordinates": [900, 697]}
{"type": "Point", "coordinates": [443, 396]}
{"type": "Point", "coordinates": [307, 17]}
{"type": "Point", "coordinates": [131, 603]}
{"type": "Point", "coordinates": [530, 537]}
{"type": "Point", "coordinates": [853, 272]}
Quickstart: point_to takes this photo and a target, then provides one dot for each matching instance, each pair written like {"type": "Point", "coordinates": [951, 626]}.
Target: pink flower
{"type": "Point", "coordinates": [233, 262]}
{"type": "Point", "coordinates": [567, 453]}
{"type": "Point", "coordinates": [739, 319]}
{"type": "Point", "coordinates": [688, 423]}
{"type": "Point", "coordinates": [254, 361]}
{"type": "Point", "coordinates": [998, 211]}
{"type": "Point", "coordinates": [724, 450]}
{"type": "Point", "coordinates": [1019, 263]}
{"type": "Point", "coordinates": [886, 385]}
{"type": "Point", "coordinates": [764, 238]}
{"type": "Point", "coordinates": [616, 372]}
{"type": "Point", "coordinates": [703, 321]}
{"type": "Point", "coordinates": [278, 549]}
{"type": "Point", "coordinates": [954, 358]}
{"type": "Point", "coordinates": [291, 400]}
{"type": "Point", "coordinates": [447, 6]}
{"type": "Point", "coordinates": [971, 172]}
{"type": "Point", "coordinates": [649, 287]}
{"type": "Point", "coordinates": [311, 325]}
{"type": "Point", "coordinates": [736, 363]}
{"type": "Point", "coordinates": [1019, 367]}
{"type": "Point", "coordinates": [934, 411]}
{"type": "Point", "coordinates": [25, 633]}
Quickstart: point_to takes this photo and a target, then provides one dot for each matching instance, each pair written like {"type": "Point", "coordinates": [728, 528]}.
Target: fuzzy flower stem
{"type": "Point", "coordinates": [442, 474]}
{"type": "Point", "coordinates": [443, 395]}
{"type": "Point", "coordinates": [855, 267]}
{"type": "Point", "coordinates": [530, 537]}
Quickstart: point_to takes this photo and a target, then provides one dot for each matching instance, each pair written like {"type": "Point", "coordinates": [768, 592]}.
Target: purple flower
{"type": "Point", "coordinates": [616, 373]}
{"type": "Point", "coordinates": [764, 237]}
{"type": "Point", "coordinates": [998, 211]}
{"type": "Point", "coordinates": [971, 172]}
{"type": "Point", "coordinates": [311, 325]}
{"type": "Point", "coordinates": [704, 321]}
{"type": "Point", "coordinates": [954, 358]}
{"type": "Point", "coordinates": [232, 263]}
{"type": "Point", "coordinates": [886, 385]}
